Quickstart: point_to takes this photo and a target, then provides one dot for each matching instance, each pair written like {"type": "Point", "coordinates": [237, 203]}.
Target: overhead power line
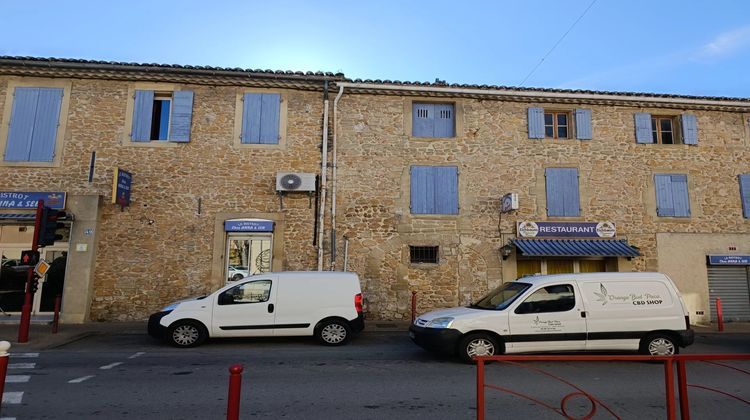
{"type": "Point", "coordinates": [557, 43]}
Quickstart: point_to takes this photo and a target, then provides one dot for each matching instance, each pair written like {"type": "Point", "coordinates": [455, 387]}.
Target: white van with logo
{"type": "Point", "coordinates": [324, 304]}
{"type": "Point", "coordinates": [565, 312]}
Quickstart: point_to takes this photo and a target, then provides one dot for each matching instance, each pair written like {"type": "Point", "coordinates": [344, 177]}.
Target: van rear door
{"type": "Point", "coordinates": [247, 309]}
{"type": "Point", "coordinates": [550, 318]}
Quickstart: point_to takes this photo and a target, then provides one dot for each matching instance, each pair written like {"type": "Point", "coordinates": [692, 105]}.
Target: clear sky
{"type": "Point", "coordinates": [687, 47]}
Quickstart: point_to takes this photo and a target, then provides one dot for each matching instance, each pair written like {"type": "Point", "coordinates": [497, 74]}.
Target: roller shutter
{"type": "Point", "coordinates": [730, 283]}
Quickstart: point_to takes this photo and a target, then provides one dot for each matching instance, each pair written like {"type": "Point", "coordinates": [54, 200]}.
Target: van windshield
{"type": "Point", "coordinates": [502, 296]}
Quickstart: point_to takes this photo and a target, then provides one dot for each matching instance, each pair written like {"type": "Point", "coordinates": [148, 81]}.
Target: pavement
{"type": "Point", "coordinates": [42, 338]}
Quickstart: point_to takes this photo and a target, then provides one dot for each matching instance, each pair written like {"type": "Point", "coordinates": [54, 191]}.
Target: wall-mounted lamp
{"type": "Point", "coordinates": [505, 251]}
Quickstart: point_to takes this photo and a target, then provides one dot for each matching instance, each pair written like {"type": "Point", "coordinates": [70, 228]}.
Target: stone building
{"type": "Point", "coordinates": [443, 190]}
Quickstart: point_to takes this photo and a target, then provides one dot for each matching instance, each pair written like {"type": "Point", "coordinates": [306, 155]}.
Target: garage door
{"type": "Point", "coordinates": [732, 286]}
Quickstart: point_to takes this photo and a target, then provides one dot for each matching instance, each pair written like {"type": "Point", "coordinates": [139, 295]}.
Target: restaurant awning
{"type": "Point", "coordinates": [575, 248]}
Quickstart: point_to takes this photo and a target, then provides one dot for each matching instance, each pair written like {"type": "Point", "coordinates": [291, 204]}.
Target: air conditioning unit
{"type": "Point", "coordinates": [295, 181]}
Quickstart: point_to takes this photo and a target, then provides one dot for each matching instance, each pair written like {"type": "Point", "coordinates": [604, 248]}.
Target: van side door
{"type": "Point", "coordinates": [549, 318]}
{"type": "Point", "coordinates": [246, 310]}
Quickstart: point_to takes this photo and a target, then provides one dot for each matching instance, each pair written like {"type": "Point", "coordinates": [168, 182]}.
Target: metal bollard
{"type": "Point", "coordinates": [235, 384]}
{"type": "Point", "coordinates": [4, 356]}
{"type": "Point", "coordinates": [56, 318]}
{"type": "Point", "coordinates": [413, 305]}
{"type": "Point", "coordinates": [719, 314]}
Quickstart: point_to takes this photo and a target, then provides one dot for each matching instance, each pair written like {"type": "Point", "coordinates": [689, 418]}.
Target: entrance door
{"type": "Point", "coordinates": [248, 254]}
{"type": "Point", "coordinates": [549, 319]}
{"type": "Point", "coordinates": [44, 299]}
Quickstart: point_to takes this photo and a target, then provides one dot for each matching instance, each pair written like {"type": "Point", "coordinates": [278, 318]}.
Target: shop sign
{"type": "Point", "coordinates": [566, 229]}
{"type": "Point", "coordinates": [729, 259]}
{"type": "Point", "coordinates": [248, 225]}
{"type": "Point", "coordinates": [121, 188]}
{"type": "Point", "coordinates": [28, 200]}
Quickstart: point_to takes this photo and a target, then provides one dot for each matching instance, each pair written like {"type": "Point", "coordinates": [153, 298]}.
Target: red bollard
{"type": "Point", "coordinates": [56, 318]}
{"type": "Point", "coordinates": [4, 355]}
{"type": "Point", "coordinates": [719, 314]}
{"type": "Point", "coordinates": [235, 384]}
{"type": "Point", "coordinates": [413, 305]}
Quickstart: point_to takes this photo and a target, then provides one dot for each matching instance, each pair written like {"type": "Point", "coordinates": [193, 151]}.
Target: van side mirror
{"type": "Point", "coordinates": [226, 298]}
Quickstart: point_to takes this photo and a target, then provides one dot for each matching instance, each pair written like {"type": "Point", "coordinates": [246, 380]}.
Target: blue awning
{"type": "Point", "coordinates": [575, 248]}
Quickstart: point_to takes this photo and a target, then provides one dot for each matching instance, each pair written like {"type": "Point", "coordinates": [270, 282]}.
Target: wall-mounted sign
{"type": "Point", "coordinates": [509, 202]}
{"type": "Point", "coordinates": [29, 200]}
{"type": "Point", "coordinates": [121, 187]}
{"type": "Point", "coordinates": [248, 225]}
{"type": "Point", "coordinates": [729, 260]}
{"type": "Point", "coordinates": [566, 229]}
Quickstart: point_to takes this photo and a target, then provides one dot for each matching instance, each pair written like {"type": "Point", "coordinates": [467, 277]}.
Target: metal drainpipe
{"type": "Point", "coordinates": [323, 173]}
{"type": "Point", "coordinates": [333, 180]}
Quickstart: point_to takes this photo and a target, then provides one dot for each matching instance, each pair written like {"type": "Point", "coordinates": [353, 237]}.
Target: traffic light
{"type": "Point", "coordinates": [29, 257]}
{"type": "Point", "coordinates": [34, 284]}
{"type": "Point", "coordinates": [49, 226]}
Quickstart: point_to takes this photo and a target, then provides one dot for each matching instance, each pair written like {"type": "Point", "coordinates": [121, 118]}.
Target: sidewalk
{"type": "Point", "coordinates": [41, 337]}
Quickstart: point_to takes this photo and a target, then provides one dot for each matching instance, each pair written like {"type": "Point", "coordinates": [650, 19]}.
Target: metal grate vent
{"type": "Point", "coordinates": [424, 254]}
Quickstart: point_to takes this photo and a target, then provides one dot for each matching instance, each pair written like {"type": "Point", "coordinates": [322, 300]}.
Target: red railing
{"type": "Point", "coordinates": [668, 361]}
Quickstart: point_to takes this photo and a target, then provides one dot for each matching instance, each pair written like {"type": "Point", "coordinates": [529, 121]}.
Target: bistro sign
{"type": "Point", "coordinates": [729, 259]}
{"type": "Point", "coordinates": [248, 225]}
{"type": "Point", "coordinates": [25, 200]}
{"type": "Point", "coordinates": [528, 229]}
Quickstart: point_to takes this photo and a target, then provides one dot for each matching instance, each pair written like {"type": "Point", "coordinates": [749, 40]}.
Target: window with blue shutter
{"type": "Point", "coordinates": [434, 190]}
{"type": "Point", "coordinates": [672, 198]}
{"type": "Point", "coordinates": [745, 195]}
{"type": "Point", "coordinates": [689, 129]}
{"type": "Point", "coordinates": [583, 124]}
{"type": "Point", "coordinates": [260, 118]}
{"type": "Point", "coordinates": [563, 198]}
{"type": "Point", "coordinates": [536, 123]}
{"type": "Point", "coordinates": [433, 120]}
{"type": "Point", "coordinates": [643, 132]}
{"type": "Point", "coordinates": [32, 133]}
{"type": "Point", "coordinates": [162, 116]}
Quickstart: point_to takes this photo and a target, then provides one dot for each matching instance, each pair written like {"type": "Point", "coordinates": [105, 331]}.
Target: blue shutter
{"type": "Point", "coordinates": [536, 123]}
{"type": "Point", "coordinates": [689, 129]}
{"type": "Point", "coordinates": [421, 190]}
{"type": "Point", "coordinates": [680, 196]}
{"type": "Point", "coordinates": [423, 120]}
{"type": "Point", "coordinates": [664, 199]}
{"type": "Point", "coordinates": [583, 124]}
{"type": "Point", "coordinates": [562, 192]}
{"type": "Point", "coordinates": [143, 108]}
{"type": "Point", "coordinates": [446, 189]}
{"type": "Point", "coordinates": [21, 127]}
{"type": "Point", "coordinates": [444, 120]}
{"type": "Point", "coordinates": [745, 195]}
{"type": "Point", "coordinates": [182, 116]}
{"type": "Point", "coordinates": [270, 104]}
{"type": "Point", "coordinates": [643, 131]}
{"type": "Point", "coordinates": [251, 118]}
{"type": "Point", "coordinates": [45, 125]}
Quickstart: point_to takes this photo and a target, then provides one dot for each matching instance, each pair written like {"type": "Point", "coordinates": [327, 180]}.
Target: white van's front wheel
{"type": "Point", "coordinates": [478, 345]}
{"type": "Point", "coordinates": [186, 334]}
{"type": "Point", "coordinates": [659, 345]}
{"type": "Point", "coordinates": [333, 332]}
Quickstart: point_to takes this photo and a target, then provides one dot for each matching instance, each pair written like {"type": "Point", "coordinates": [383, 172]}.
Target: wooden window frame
{"type": "Point", "coordinates": [163, 96]}
{"type": "Point", "coordinates": [555, 125]}
{"type": "Point", "coordinates": [656, 130]}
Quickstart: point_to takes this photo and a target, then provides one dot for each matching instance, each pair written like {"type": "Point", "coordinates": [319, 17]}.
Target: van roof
{"type": "Point", "coordinates": [303, 274]}
{"type": "Point", "coordinates": [553, 278]}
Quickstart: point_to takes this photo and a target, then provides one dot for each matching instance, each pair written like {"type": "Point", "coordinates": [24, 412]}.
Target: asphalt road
{"type": "Point", "coordinates": [379, 375]}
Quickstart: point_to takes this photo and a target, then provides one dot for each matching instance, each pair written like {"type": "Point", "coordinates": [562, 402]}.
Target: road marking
{"type": "Point", "coordinates": [140, 353]}
{"type": "Point", "coordinates": [24, 355]}
{"type": "Point", "coordinates": [21, 366]}
{"type": "Point", "coordinates": [81, 379]}
{"type": "Point", "coordinates": [7, 418]}
{"type": "Point", "coordinates": [110, 366]}
{"type": "Point", "coordinates": [17, 379]}
{"type": "Point", "coordinates": [12, 397]}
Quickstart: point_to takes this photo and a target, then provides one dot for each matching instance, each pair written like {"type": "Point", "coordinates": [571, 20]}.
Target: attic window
{"type": "Point", "coordinates": [424, 254]}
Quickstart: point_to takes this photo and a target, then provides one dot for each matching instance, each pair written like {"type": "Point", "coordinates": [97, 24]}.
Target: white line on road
{"type": "Point", "coordinates": [140, 353]}
{"type": "Point", "coordinates": [7, 418]}
{"type": "Point", "coordinates": [12, 397]}
{"type": "Point", "coordinates": [21, 366]}
{"type": "Point", "coordinates": [23, 355]}
{"type": "Point", "coordinates": [81, 379]}
{"type": "Point", "coordinates": [110, 366]}
{"type": "Point", "coordinates": [17, 379]}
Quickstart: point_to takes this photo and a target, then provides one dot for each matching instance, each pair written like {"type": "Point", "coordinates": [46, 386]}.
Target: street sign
{"type": "Point", "coordinates": [41, 268]}
{"type": "Point", "coordinates": [29, 257]}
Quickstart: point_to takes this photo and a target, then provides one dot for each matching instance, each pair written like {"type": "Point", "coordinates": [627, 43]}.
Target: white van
{"type": "Point", "coordinates": [324, 304]}
{"type": "Point", "coordinates": [564, 312]}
